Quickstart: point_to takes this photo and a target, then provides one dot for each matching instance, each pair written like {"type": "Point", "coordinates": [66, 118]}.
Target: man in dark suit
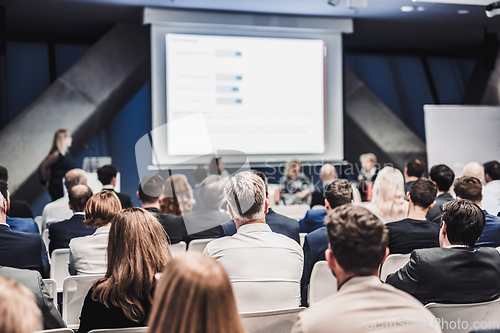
{"type": "Point", "coordinates": [338, 193]}
{"type": "Point", "coordinates": [277, 222]}
{"type": "Point", "coordinates": [455, 272]}
{"type": "Point", "coordinates": [414, 170]}
{"type": "Point", "coordinates": [17, 208]}
{"type": "Point", "coordinates": [150, 194]}
{"type": "Point", "coordinates": [62, 232]}
{"type": "Point", "coordinates": [327, 174]}
{"type": "Point", "coordinates": [415, 232]}
{"type": "Point", "coordinates": [20, 249]}
{"type": "Point", "coordinates": [443, 177]}
{"type": "Point", "coordinates": [33, 281]}
{"type": "Point", "coordinates": [107, 176]}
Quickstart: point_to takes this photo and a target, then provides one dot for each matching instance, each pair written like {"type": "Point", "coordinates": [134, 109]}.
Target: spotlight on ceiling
{"type": "Point", "coordinates": [333, 2]}
{"type": "Point", "coordinates": [493, 9]}
{"type": "Point", "coordinates": [355, 4]}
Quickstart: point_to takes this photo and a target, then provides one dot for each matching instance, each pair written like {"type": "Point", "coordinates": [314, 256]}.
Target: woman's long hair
{"type": "Point", "coordinates": [389, 201]}
{"type": "Point", "coordinates": [58, 143]}
{"type": "Point", "coordinates": [137, 250]}
{"type": "Point", "coordinates": [101, 208]}
{"type": "Point", "coordinates": [194, 295]}
{"type": "Point", "coordinates": [178, 198]}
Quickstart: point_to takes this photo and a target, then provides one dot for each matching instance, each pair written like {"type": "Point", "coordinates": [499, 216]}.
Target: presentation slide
{"type": "Point", "coordinates": [257, 95]}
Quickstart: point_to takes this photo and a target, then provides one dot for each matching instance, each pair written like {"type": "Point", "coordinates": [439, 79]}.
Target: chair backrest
{"type": "Point", "coordinates": [75, 288]}
{"type": "Point", "coordinates": [176, 249]}
{"type": "Point", "coordinates": [199, 245]}
{"type": "Point", "coordinates": [275, 321]}
{"type": "Point", "coordinates": [302, 237]}
{"type": "Point", "coordinates": [38, 220]}
{"type": "Point", "coordinates": [52, 288]}
{"type": "Point", "coordinates": [45, 237]}
{"type": "Point", "coordinates": [461, 318]}
{"type": "Point", "coordinates": [57, 330]}
{"type": "Point", "coordinates": [322, 284]}
{"type": "Point", "coordinates": [392, 264]}
{"type": "Point", "coordinates": [59, 267]}
{"type": "Point", "coordinates": [293, 211]}
{"type": "Point", "coordinates": [122, 330]}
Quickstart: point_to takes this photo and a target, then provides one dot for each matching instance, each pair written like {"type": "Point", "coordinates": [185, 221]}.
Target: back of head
{"type": "Point", "coordinates": [368, 157]}
{"type": "Point", "coordinates": [474, 169]}
{"type": "Point", "coordinates": [423, 192]}
{"type": "Point", "coordinates": [245, 195]}
{"type": "Point", "coordinates": [492, 169]}
{"type": "Point", "coordinates": [443, 176]}
{"type": "Point", "coordinates": [291, 167]}
{"type": "Point", "coordinates": [75, 177]}
{"type": "Point", "coordinates": [415, 168]}
{"type": "Point", "coordinates": [263, 177]}
{"type": "Point", "coordinates": [137, 250]}
{"type": "Point", "coordinates": [106, 173]}
{"type": "Point", "coordinates": [327, 173]}
{"type": "Point", "coordinates": [101, 208]}
{"type": "Point", "coordinates": [199, 174]}
{"type": "Point", "coordinates": [338, 193]}
{"type": "Point", "coordinates": [194, 295]}
{"type": "Point", "coordinates": [389, 194]}
{"type": "Point", "coordinates": [78, 197]}
{"type": "Point", "coordinates": [469, 188]}
{"type": "Point", "coordinates": [4, 174]}
{"type": "Point", "coordinates": [212, 191]}
{"type": "Point", "coordinates": [178, 194]}
{"type": "Point", "coordinates": [150, 188]}
{"type": "Point", "coordinates": [464, 222]}
{"type": "Point", "coordinates": [58, 141]}
{"type": "Point", "coordinates": [357, 238]}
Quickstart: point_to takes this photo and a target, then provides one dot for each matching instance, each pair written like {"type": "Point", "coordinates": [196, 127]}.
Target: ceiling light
{"type": "Point", "coordinates": [420, 8]}
{"type": "Point", "coordinates": [407, 9]}
{"type": "Point", "coordinates": [463, 11]}
{"type": "Point", "coordinates": [357, 3]}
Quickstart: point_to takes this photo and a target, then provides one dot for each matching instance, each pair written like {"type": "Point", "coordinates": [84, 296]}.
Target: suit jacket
{"type": "Point", "coordinates": [450, 275]}
{"type": "Point", "coordinates": [313, 220]}
{"type": "Point", "coordinates": [277, 222]}
{"type": "Point", "coordinates": [62, 232]}
{"type": "Point", "coordinates": [87, 255]}
{"type": "Point", "coordinates": [409, 234]}
{"type": "Point", "coordinates": [318, 196]}
{"type": "Point", "coordinates": [434, 214]}
{"type": "Point", "coordinates": [491, 232]}
{"type": "Point", "coordinates": [24, 224]}
{"type": "Point", "coordinates": [19, 208]}
{"type": "Point", "coordinates": [361, 305]}
{"type": "Point", "coordinates": [173, 225]}
{"type": "Point", "coordinates": [211, 218]}
{"type": "Point", "coordinates": [315, 245]}
{"type": "Point", "coordinates": [23, 250]}
{"type": "Point", "coordinates": [125, 200]}
{"type": "Point", "coordinates": [33, 281]}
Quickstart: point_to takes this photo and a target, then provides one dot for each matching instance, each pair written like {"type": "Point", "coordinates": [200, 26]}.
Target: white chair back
{"type": "Point", "coordinates": [52, 288]}
{"type": "Point", "coordinates": [75, 288]}
{"type": "Point", "coordinates": [45, 237]}
{"type": "Point", "coordinates": [302, 237]}
{"type": "Point", "coordinates": [57, 330]}
{"type": "Point", "coordinates": [59, 267]}
{"type": "Point", "coordinates": [322, 284]}
{"type": "Point", "coordinates": [293, 211]}
{"type": "Point", "coordinates": [392, 264]}
{"type": "Point", "coordinates": [38, 220]}
{"type": "Point", "coordinates": [199, 245]}
{"type": "Point", "coordinates": [469, 315]}
{"type": "Point", "coordinates": [176, 249]}
{"type": "Point", "coordinates": [275, 321]}
{"type": "Point", "coordinates": [122, 330]}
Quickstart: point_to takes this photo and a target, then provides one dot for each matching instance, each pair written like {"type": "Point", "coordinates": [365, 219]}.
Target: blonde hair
{"type": "Point", "coordinates": [101, 208]}
{"type": "Point", "coordinates": [19, 312]}
{"type": "Point", "coordinates": [194, 295]}
{"type": "Point", "coordinates": [58, 143]}
{"type": "Point", "coordinates": [289, 166]}
{"type": "Point", "coordinates": [368, 157]}
{"type": "Point", "coordinates": [137, 250]}
{"type": "Point", "coordinates": [389, 200]}
{"type": "Point", "coordinates": [178, 194]}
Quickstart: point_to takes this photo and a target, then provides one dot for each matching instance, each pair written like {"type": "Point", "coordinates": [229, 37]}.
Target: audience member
{"type": "Point", "coordinates": [137, 250]}
{"type": "Point", "coordinates": [415, 169]}
{"type": "Point", "coordinates": [150, 194]}
{"type": "Point", "coordinates": [415, 232]}
{"type": "Point", "coordinates": [455, 272]}
{"type": "Point", "coordinates": [20, 249]}
{"type": "Point", "coordinates": [389, 199]}
{"type": "Point", "coordinates": [367, 175]}
{"type": "Point", "coordinates": [57, 164]}
{"type": "Point", "coordinates": [489, 202]}
{"type": "Point", "coordinates": [61, 233]}
{"type": "Point", "coordinates": [358, 244]}
{"type": "Point", "coordinates": [492, 177]}
{"type": "Point", "coordinates": [194, 295]}
{"type": "Point", "coordinates": [264, 267]}
{"type": "Point", "coordinates": [277, 222]}
{"type": "Point", "coordinates": [327, 174]}
{"type": "Point", "coordinates": [199, 174]}
{"type": "Point", "coordinates": [87, 255]}
{"type": "Point", "coordinates": [443, 177]}
{"type": "Point", "coordinates": [295, 186]}
{"type": "Point", "coordinates": [24, 224]}
{"type": "Point", "coordinates": [470, 188]}
{"type": "Point", "coordinates": [59, 210]}
{"type": "Point", "coordinates": [218, 167]}
{"type": "Point", "coordinates": [18, 208]}
{"type": "Point", "coordinates": [338, 193]}
{"type": "Point", "coordinates": [107, 176]}
{"type": "Point", "coordinates": [18, 310]}
{"type": "Point", "coordinates": [178, 196]}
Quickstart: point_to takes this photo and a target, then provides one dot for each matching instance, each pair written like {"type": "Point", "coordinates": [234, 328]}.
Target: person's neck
{"type": "Point", "coordinates": [239, 224]}
{"type": "Point", "coordinates": [416, 212]}
{"type": "Point", "coordinates": [150, 205]}
{"type": "Point", "coordinates": [342, 278]}
{"type": "Point", "coordinates": [411, 179]}
{"type": "Point", "coordinates": [442, 192]}
{"type": "Point", "coordinates": [478, 203]}
{"type": "Point", "coordinates": [3, 219]}
{"type": "Point", "coordinates": [326, 182]}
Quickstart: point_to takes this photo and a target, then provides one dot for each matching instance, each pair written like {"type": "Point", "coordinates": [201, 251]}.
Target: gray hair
{"type": "Point", "coordinates": [212, 191]}
{"type": "Point", "coordinates": [246, 196]}
{"type": "Point", "coordinates": [2, 199]}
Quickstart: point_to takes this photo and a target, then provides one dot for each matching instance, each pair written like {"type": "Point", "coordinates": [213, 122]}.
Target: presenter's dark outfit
{"type": "Point", "coordinates": [58, 165]}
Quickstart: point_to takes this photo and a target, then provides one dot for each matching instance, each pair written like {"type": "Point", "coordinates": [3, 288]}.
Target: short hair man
{"type": "Point", "coordinates": [492, 177]}
{"type": "Point", "coordinates": [337, 193]}
{"type": "Point", "coordinates": [358, 244]}
{"type": "Point", "coordinates": [470, 188]}
{"type": "Point", "coordinates": [327, 174]}
{"type": "Point", "coordinates": [414, 170]}
{"type": "Point", "coordinates": [490, 201]}
{"type": "Point", "coordinates": [455, 272]}
{"type": "Point", "coordinates": [107, 176]}
{"type": "Point", "coordinates": [443, 177]}
{"type": "Point", "coordinates": [277, 222]}
{"type": "Point", "coordinates": [150, 193]}
{"type": "Point", "coordinates": [264, 267]}
{"type": "Point", "coordinates": [61, 233]}
{"type": "Point", "coordinates": [415, 232]}
{"type": "Point", "coordinates": [17, 208]}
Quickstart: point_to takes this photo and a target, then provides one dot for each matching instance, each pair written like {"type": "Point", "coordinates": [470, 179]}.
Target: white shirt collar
{"type": "Point", "coordinates": [453, 246]}
{"type": "Point", "coordinates": [254, 227]}
{"type": "Point", "coordinates": [79, 213]}
{"type": "Point", "coordinates": [108, 187]}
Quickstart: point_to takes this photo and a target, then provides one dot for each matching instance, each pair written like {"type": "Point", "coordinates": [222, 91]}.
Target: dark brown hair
{"type": "Point", "coordinates": [469, 188]}
{"type": "Point", "coordinates": [464, 222]}
{"type": "Point", "coordinates": [338, 193]}
{"type": "Point", "coordinates": [101, 208]}
{"type": "Point", "coordinates": [443, 176]}
{"type": "Point", "coordinates": [423, 192]}
{"type": "Point", "coordinates": [178, 198]}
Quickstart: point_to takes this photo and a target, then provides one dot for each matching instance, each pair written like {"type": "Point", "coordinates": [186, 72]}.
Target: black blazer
{"type": "Point", "coordinates": [434, 214]}
{"type": "Point", "coordinates": [408, 235]}
{"type": "Point", "coordinates": [125, 200]}
{"type": "Point", "coordinates": [173, 225]}
{"type": "Point", "coordinates": [19, 208]}
{"type": "Point", "coordinates": [456, 275]}
{"type": "Point", "coordinates": [211, 218]}
{"type": "Point", "coordinates": [61, 233]}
